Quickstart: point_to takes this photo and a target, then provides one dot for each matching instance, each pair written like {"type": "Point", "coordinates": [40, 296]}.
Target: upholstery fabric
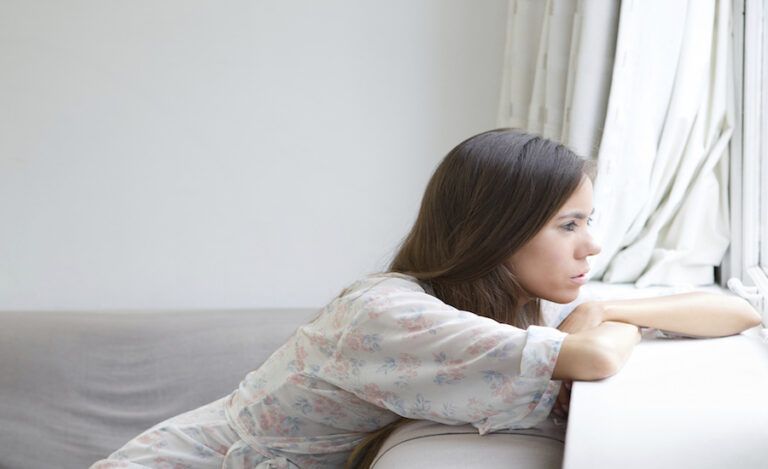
{"type": "Point", "coordinates": [75, 386]}
{"type": "Point", "coordinates": [423, 444]}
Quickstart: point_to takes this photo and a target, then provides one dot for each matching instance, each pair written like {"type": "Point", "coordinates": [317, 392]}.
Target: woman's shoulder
{"type": "Point", "coordinates": [384, 283]}
{"type": "Point", "coordinates": [396, 300]}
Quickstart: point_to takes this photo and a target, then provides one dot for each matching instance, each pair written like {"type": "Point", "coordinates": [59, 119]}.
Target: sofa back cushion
{"type": "Point", "coordinates": [423, 444]}
{"type": "Point", "coordinates": [75, 386]}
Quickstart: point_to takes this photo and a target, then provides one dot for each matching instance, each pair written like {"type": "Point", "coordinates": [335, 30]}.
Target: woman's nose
{"type": "Point", "coordinates": [591, 247]}
{"type": "Point", "coordinates": [594, 247]}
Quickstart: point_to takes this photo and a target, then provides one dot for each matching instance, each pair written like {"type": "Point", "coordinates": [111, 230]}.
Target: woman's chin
{"type": "Point", "coordinates": [563, 297]}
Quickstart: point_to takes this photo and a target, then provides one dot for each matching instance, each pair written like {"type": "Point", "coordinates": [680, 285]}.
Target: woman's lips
{"type": "Point", "coordinates": [579, 279]}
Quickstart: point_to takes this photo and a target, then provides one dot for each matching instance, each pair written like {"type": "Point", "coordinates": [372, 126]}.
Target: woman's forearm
{"type": "Point", "coordinates": [596, 353]}
{"type": "Point", "coordinates": [618, 339]}
{"type": "Point", "coordinates": [697, 314]}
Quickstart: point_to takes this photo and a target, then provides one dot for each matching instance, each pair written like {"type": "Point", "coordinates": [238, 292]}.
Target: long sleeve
{"type": "Point", "coordinates": [409, 352]}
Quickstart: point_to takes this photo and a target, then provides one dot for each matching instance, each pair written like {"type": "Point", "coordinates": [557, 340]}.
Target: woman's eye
{"type": "Point", "coordinates": [573, 225]}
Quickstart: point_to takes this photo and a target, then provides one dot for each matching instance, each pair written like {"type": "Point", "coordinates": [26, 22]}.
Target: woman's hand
{"type": "Point", "coordinates": [586, 316]}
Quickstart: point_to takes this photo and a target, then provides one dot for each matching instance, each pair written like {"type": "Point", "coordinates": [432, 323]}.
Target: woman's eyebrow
{"type": "Point", "coordinates": [577, 214]}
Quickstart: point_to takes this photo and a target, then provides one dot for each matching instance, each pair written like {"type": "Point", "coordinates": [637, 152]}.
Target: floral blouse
{"type": "Point", "coordinates": [385, 348]}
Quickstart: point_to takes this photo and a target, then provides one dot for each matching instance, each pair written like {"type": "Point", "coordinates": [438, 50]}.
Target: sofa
{"type": "Point", "coordinates": [75, 386]}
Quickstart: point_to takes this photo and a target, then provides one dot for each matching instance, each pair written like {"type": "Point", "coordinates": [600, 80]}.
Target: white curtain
{"type": "Point", "coordinates": [662, 143]}
{"type": "Point", "coordinates": [557, 72]}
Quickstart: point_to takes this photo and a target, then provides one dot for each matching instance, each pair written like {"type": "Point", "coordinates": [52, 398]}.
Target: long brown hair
{"type": "Point", "coordinates": [488, 197]}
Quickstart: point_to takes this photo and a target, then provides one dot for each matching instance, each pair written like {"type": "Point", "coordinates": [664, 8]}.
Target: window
{"type": "Point", "coordinates": [747, 266]}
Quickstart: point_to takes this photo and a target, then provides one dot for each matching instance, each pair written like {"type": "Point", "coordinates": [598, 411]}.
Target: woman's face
{"type": "Point", "coordinates": [552, 264]}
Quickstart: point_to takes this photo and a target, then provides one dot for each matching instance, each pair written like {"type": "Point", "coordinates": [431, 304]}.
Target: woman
{"type": "Point", "coordinates": [452, 332]}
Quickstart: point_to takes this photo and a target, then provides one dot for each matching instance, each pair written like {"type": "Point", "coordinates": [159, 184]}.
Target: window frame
{"type": "Point", "coordinates": [746, 267]}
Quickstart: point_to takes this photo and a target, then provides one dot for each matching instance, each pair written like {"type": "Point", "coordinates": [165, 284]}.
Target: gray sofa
{"type": "Point", "coordinates": [75, 386]}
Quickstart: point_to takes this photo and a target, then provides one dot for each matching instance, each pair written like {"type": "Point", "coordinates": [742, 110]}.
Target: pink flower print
{"type": "Point", "coordinates": [415, 322]}
{"type": "Point", "coordinates": [478, 410]}
{"type": "Point", "coordinates": [408, 365]}
{"type": "Point", "coordinates": [539, 369]}
{"type": "Point", "coordinates": [338, 368]}
{"type": "Point", "coordinates": [405, 363]}
{"type": "Point", "coordinates": [154, 438]}
{"type": "Point", "coordinates": [329, 409]}
{"type": "Point", "coordinates": [148, 438]}
{"type": "Point", "coordinates": [274, 422]}
{"type": "Point", "coordinates": [358, 341]}
{"type": "Point", "coordinates": [386, 399]}
{"type": "Point", "coordinates": [340, 314]}
{"type": "Point", "coordinates": [448, 376]}
{"type": "Point", "coordinates": [375, 314]}
{"type": "Point", "coordinates": [321, 343]}
{"type": "Point", "coordinates": [298, 364]}
{"type": "Point", "coordinates": [505, 351]}
{"type": "Point", "coordinates": [484, 345]}
{"type": "Point", "coordinates": [297, 379]}
{"type": "Point", "coordinates": [501, 385]}
{"type": "Point", "coordinates": [449, 371]}
{"type": "Point", "coordinates": [163, 463]}
{"type": "Point", "coordinates": [373, 393]}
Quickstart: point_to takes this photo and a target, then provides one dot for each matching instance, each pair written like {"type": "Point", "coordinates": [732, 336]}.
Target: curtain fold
{"type": "Point", "coordinates": [558, 65]}
{"type": "Point", "coordinates": [647, 90]}
{"type": "Point", "coordinates": [668, 125]}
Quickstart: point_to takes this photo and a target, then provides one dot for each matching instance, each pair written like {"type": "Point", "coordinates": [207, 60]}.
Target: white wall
{"type": "Point", "coordinates": [226, 154]}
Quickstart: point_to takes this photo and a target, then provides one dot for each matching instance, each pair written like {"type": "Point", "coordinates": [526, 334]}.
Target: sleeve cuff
{"type": "Point", "coordinates": [539, 356]}
{"type": "Point", "coordinates": [540, 352]}
{"type": "Point", "coordinates": [541, 410]}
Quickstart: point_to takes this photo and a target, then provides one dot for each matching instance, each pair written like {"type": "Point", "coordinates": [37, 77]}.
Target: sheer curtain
{"type": "Point", "coordinates": [557, 72]}
{"type": "Point", "coordinates": [646, 89]}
